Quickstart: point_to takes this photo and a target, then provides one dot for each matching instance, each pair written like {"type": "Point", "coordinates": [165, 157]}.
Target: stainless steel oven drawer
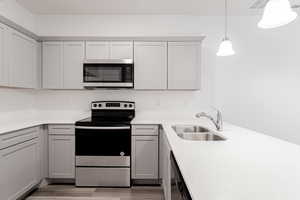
{"type": "Point", "coordinates": [103, 161]}
{"type": "Point", "coordinates": [106, 177]}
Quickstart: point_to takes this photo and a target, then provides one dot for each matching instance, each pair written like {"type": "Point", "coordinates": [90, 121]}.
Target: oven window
{"type": "Point", "coordinates": [94, 73]}
{"type": "Point", "coordinates": [102, 142]}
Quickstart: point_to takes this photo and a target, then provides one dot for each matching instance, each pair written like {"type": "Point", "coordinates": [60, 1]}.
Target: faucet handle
{"type": "Point", "coordinates": [201, 114]}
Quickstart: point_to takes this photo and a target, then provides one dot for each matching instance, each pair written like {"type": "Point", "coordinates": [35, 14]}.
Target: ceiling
{"type": "Point", "coordinates": [188, 7]}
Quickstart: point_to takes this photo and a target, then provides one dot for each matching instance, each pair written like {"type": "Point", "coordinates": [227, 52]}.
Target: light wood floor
{"type": "Point", "coordinates": [69, 192]}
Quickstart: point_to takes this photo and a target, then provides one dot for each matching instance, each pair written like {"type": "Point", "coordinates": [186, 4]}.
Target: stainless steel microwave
{"type": "Point", "coordinates": [108, 73]}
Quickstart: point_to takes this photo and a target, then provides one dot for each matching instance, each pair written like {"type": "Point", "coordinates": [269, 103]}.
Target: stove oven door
{"type": "Point", "coordinates": [103, 155]}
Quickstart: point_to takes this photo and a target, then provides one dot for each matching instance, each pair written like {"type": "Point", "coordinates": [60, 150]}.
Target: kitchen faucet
{"type": "Point", "coordinates": [218, 122]}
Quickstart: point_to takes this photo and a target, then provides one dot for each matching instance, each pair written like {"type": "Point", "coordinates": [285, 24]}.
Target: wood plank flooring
{"type": "Point", "coordinates": [70, 192]}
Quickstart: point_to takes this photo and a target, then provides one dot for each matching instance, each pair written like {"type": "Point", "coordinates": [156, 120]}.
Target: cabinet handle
{"type": "Point", "coordinates": [62, 128]}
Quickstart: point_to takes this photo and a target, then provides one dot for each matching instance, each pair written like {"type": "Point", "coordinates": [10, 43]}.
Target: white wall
{"type": "Point", "coordinates": [16, 103]}
{"type": "Point", "coordinates": [12, 10]}
{"type": "Point", "coordinates": [259, 87]}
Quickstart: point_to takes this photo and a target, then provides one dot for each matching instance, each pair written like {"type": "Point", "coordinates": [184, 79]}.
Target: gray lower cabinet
{"type": "Point", "coordinates": [145, 152]}
{"type": "Point", "coordinates": [61, 151]}
{"type": "Point", "coordinates": [165, 164]}
{"type": "Point", "coordinates": [20, 162]}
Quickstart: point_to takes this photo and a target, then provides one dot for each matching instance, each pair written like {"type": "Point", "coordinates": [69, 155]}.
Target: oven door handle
{"type": "Point", "coordinates": [103, 127]}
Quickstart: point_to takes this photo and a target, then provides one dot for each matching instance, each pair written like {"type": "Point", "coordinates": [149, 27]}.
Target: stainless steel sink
{"type": "Point", "coordinates": [196, 133]}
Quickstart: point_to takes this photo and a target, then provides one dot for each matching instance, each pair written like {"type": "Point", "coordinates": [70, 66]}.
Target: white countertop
{"type": "Point", "coordinates": [50, 117]}
{"type": "Point", "coordinates": [247, 166]}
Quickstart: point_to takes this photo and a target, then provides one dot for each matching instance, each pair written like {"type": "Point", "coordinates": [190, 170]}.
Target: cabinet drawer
{"type": "Point", "coordinates": [145, 130]}
{"type": "Point", "coordinates": [16, 137]}
{"type": "Point", "coordinates": [61, 129]}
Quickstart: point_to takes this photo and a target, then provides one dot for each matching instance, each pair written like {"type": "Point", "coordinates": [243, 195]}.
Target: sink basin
{"type": "Point", "coordinates": [196, 133]}
{"type": "Point", "coordinates": [189, 129]}
{"type": "Point", "coordinates": [201, 136]}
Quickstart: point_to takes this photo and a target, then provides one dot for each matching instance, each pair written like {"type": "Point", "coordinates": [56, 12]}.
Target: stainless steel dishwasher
{"type": "Point", "coordinates": [179, 189]}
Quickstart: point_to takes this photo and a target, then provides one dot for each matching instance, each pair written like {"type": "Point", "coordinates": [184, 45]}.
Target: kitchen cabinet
{"type": "Point", "coordinates": [3, 55]}
{"type": "Point", "coordinates": [165, 164]}
{"type": "Point", "coordinates": [19, 160]}
{"type": "Point", "coordinates": [145, 152]}
{"type": "Point", "coordinates": [62, 65]}
{"type": "Point", "coordinates": [109, 50]}
{"type": "Point", "coordinates": [121, 50]}
{"type": "Point", "coordinates": [73, 56]}
{"type": "Point", "coordinates": [97, 50]}
{"type": "Point", "coordinates": [150, 65]}
{"type": "Point", "coordinates": [184, 65]}
{"type": "Point", "coordinates": [43, 152]}
{"type": "Point", "coordinates": [61, 152]}
{"type": "Point", "coordinates": [22, 60]}
{"type": "Point", "coordinates": [52, 65]}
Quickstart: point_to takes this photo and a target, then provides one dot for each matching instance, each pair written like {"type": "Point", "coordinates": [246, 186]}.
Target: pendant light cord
{"type": "Point", "coordinates": [226, 18]}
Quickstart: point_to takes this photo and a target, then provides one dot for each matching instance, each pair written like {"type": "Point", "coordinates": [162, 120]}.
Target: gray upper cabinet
{"type": "Point", "coordinates": [3, 56]}
{"type": "Point", "coordinates": [121, 50]}
{"type": "Point", "coordinates": [150, 65]}
{"type": "Point", "coordinates": [184, 65]}
{"type": "Point", "coordinates": [62, 65]}
{"type": "Point", "coordinates": [22, 60]}
{"type": "Point", "coordinates": [52, 65]}
{"type": "Point", "coordinates": [73, 56]}
{"type": "Point", "coordinates": [97, 50]}
{"type": "Point", "coordinates": [109, 50]}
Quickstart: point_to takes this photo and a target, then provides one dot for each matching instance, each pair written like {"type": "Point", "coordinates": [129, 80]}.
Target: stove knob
{"type": "Point", "coordinates": [99, 105]}
{"type": "Point", "coordinates": [122, 153]}
{"type": "Point", "coordinates": [130, 105]}
{"type": "Point", "coordinates": [94, 105]}
{"type": "Point", "coordinates": [125, 105]}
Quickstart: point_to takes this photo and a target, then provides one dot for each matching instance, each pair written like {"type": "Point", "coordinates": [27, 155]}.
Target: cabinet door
{"type": "Point", "coordinates": [52, 65]}
{"type": "Point", "coordinates": [19, 164]}
{"type": "Point", "coordinates": [3, 56]}
{"type": "Point", "coordinates": [61, 156]}
{"type": "Point", "coordinates": [150, 65]}
{"type": "Point", "coordinates": [121, 50]}
{"type": "Point", "coordinates": [23, 61]}
{"type": "Point", "coordinates": [183, 65]}
{"type": "Point", "coordinates": [97, 50]}
{"type": "Point", "coordinates": [73, 55]}
{"type": "Point", "coordinates": [43, 152]}
{"type": "Point", "coordinates": [145, 157]}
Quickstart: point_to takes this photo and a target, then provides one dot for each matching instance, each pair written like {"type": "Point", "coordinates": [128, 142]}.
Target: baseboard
{"type": "Point", "coordinates": [146, 182]}
{"type": "Point", "coordinates": [60, 181]}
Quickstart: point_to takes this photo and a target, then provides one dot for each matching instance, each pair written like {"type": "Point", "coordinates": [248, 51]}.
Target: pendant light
{"type": "Point", "coordinates": [277, 13]}
{"type": "Point", "coordinates": [225, 48]}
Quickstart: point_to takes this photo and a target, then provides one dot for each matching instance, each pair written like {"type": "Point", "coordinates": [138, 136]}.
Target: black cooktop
{"type": "Point", "coordinates": [92, 122]}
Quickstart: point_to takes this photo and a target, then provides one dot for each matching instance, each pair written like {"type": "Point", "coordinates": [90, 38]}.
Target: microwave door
{"type": "Point", "coordinates": [103, 74]}
{"type": "Point", "coordinates": [108, 75]}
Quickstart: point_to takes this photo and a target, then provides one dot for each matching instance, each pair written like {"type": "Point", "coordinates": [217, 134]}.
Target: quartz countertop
{"type": "Point", "coordinates": [247, 166]}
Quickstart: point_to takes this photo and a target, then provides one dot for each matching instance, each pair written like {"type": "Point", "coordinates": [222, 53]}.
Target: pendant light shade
{"type": "Point", "coordinates": [277, 13]}
{"type": "Point", "coordinates": [225, 48]}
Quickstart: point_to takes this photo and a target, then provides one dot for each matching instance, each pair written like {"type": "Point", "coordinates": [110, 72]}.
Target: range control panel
{"type": "Point", "coordinates": [113, 105]}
